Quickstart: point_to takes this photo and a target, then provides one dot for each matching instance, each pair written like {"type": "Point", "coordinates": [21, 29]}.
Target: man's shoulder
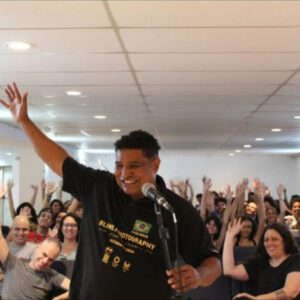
{"type": "Point", "coordinates": [71, 164]}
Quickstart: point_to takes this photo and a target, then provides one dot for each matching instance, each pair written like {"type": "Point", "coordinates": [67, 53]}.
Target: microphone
{"type": "Point", "coordinates": [149, 190]}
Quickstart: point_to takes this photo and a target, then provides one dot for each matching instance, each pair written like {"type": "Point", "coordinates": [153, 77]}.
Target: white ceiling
{"type": "Point", "coordinates": [206, 75]}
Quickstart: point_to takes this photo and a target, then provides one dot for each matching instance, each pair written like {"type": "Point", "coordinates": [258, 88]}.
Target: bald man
{"type": "Point", "coordinates": [19, 235]}
{"type": "Point", "coordinates": [19, 247]}
{"type": "Point", "coordinates": [32, 279]}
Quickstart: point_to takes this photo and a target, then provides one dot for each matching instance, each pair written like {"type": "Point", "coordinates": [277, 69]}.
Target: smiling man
{"type": "Point", "coordinates": [19, 236]}
{"type": "Point", "coordinates": [31, 279]}
{"type": "Point", "coordinates": [120, 255]}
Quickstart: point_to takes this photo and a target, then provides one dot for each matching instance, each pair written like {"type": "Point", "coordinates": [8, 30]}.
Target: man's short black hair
{"type": "Point", "coordinates": [139, 139]}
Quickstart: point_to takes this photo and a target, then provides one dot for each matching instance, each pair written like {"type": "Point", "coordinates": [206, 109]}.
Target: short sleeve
{"type": "Point", "coordinates": [10, 262]}
{"type": "Point", "coordinates": [56, 278]}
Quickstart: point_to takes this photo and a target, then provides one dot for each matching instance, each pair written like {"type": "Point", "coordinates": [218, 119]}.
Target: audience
{"type": "Point", "coordinates": [261, 223]}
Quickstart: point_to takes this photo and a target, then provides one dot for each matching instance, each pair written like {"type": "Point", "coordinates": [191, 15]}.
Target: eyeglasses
{"type": "Point", "coordinates": [69, 225]}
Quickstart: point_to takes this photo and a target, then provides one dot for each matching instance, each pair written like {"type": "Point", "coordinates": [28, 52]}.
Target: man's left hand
{"type": "Point", "coordinates": [189, 278]}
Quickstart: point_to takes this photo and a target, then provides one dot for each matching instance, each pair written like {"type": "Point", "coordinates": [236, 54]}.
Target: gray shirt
{"type": "Point", "coordinates": [22, 282]}
{"type": "Point", "coordinates": [24, 251]}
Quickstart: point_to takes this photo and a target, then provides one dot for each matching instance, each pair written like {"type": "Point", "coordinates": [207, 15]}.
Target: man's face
{"type": "Point", "coordinates": [133, 169]}
{"type": "Point", "coordinates": [251, 209]}
{"type": "Point", "coordinates": [44, 256]}
{"type": "Point", "coordinates": [220, 207]}
{"type": "Point", "coordinates": [20, 231]}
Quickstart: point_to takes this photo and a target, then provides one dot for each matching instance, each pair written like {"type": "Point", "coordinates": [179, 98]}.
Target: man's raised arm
{"type": "Point", "coordinates": [50, 152]}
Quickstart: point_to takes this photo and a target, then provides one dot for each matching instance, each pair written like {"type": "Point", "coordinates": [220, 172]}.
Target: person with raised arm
{"type": "Point", "coordinates": [31, 279]}
{"type": "Point", "coordinates": [119, 237]}
{"type": "Point", "coordinates": [273, 272]}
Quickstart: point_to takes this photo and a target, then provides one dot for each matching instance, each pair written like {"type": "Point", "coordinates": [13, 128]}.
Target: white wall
{"type": "Point", "coordinates": [224, 170]}
{"type": "Point", "coordinates": [272, 169]}
{"type": "Point", "coordinates": [179, 165]}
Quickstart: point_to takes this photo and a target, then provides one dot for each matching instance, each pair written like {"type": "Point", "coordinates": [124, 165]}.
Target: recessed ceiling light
{"type": "Point", "coordinates": [9, 154]}
{"type": "Point", "coordinates": [259, 139]}
{"type": "Point", "coordinates": [51, 115]}
{"type": "Point", "coordinates": [100, 117]}
{"type": "Point", "coordinates": [49, 96]}
{"type": "Point", "coordinates": [297, 117]}
{"type": "Point", "coordinates": [231, 154]}
{"type": "Point", "coordinates": [276, 129]}
{"type": "Point", "coordinates": [115, 130]}
{"type": "Point", "coordinates": [74, 93]}
{"type": "Point", "coordinates": [84, 133]}
{"type": "Point", "coordinates": [18, 46]}
{"type": "Point", "coordinates": [238, 150]}
{"type": "Point", "coordinates": [247, 146]}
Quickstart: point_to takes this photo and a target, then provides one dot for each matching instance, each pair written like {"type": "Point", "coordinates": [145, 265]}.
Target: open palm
{"type": "Point", "coordinates": [17, 103]}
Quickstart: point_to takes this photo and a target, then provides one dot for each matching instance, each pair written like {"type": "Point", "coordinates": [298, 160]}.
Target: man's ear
{"type": "Point", "coordinates": [156, 164]}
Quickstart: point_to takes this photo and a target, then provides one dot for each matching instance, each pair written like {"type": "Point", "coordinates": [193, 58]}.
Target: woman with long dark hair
{"type": "Point", "coordinates": [274, 271]}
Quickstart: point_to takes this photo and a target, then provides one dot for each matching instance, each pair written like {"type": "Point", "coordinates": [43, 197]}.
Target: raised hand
{"type": "Point", "coordinates": [52, 233]}
{"type": "Point", "coordinates": [10, 184]}
{"type": "Point", "coordinates": [280, 191]}
{"type": "Point", "coordinates": [245, 183]}
{"type": "Point", "coordinates": [228, 194]}
{"type": "Point", "coordinates": [43, 184]}
{"type": "Point", "coordinates": [207, 184]}
{"type": "Point", "coordinates": [51, 188]}
{"type": "Point", "coordinates": [235, 227]}
{"type": "Point", "coordinates": [17, 103]}
{"type": "Point", "coordinates": [256, 183]}
{"type": "Point", "coordinates": [34, 187]}
{"type": "Point", "coordinates": [26, 212]}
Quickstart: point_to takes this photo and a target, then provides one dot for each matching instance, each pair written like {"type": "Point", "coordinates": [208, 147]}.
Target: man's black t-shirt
{"type": "Point", "coordinates": [119, 254]}
{"type": "Point", "coordinates": [266, 279]}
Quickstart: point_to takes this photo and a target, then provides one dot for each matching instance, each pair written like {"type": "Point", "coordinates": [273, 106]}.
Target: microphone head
{"type": "Point", "coordinates": [146, 187]}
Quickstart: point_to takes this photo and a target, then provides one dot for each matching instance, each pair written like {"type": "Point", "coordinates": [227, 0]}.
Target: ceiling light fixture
{"type": "Point", "coordinates": [74, 93]}
{"type": "Point", "coordinates": [276, 129]}
{"type": "Point", "coordinates": [18, 46]}
{"type": "Point", "coordinates": [238, 151]}
{"type": "Point", "coordinates": [297, 117]}
{"type": "Point", "coordinates": [231, 154]}
{"type": "Point", "coordinates": [247, 146]}
{"type": "Point", "coordinates": [100, 117]}
{"type": "Point", "coordinates": [259, 139]}
{"type": "Point", "coordinates": [9, 154]}
{"type": "Point", "coordinates": [84, 133]}
{"type": "Point", "coordinates": [51, 115]}
{"type": "Point", "coordinates": [115, 130]}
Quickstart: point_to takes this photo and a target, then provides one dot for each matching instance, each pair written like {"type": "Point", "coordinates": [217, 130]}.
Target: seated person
{"type": "Point", "coordinates": [45, 220]}
{"type": "Point", "coordinates": [18, 245]}
{"type": "Point", "coordinates": [68, 234]}
{"type": "Point", "coordinates": [291, 220]}
{"type": "Point", "coordinates": [274, 271]}
{"type": "Point", "coordinates": [32, 279]}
